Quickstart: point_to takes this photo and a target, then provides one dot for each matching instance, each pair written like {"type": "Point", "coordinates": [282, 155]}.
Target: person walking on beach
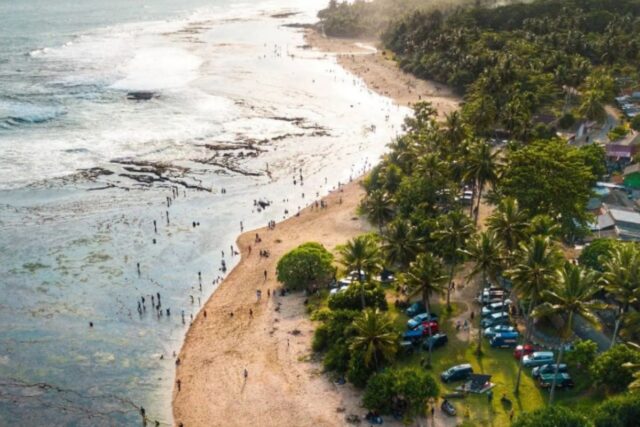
{"type": "Point", "coordinates": [246, 374]}
{"type": "Point", "coordinates": [251, 313]}
{"type": "Point", "coordinates": [265, 275]}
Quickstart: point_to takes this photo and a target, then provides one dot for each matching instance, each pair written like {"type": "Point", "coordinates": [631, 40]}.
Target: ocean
{"type": "Point", "coordinates": [145, 133]}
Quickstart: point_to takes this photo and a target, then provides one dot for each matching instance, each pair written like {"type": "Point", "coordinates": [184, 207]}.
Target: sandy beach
{"type": "Point", "coordinates": [271, 338]}
{"type": "Point", "coordinates": [284, 386]}
{"type": "Point", "coordinates": [381, 74]}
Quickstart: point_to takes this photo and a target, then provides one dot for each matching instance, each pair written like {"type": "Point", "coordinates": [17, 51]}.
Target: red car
{"type": "Point", "coordinates": [434, 328]}
{"type": "Point", "coordinates": [522, 350]}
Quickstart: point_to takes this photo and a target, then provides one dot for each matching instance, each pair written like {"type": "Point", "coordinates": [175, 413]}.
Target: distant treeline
{"type": "Point", "coordinates": [562, 37]}
{"type": "Point", "coordinates": [371, 18]}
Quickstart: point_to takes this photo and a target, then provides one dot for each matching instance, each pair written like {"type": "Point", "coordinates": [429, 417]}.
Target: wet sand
{"type": "Point", "coordinates": [284, 385]}
{"type": "Point", "coordinates": [381, 74]}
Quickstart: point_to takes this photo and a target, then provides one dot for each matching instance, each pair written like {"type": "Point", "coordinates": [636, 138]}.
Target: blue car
{"type": "Point", "coordinates": [492, 331]}
{"type": "Point", "coordinates": [505, 340]}
{"type": "Point", "coordinates": [415, 309]}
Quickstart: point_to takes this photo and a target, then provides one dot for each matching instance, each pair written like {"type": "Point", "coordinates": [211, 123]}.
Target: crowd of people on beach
{"type": "Point", "coordinates": [152, 303]}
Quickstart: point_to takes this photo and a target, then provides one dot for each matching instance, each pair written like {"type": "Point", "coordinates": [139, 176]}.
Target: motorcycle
{"type": "Point", "coordinates": [448, 408]}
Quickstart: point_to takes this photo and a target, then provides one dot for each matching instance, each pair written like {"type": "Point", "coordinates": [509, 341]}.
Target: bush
{"type": "Point", "coordinates": [617, 132]}
{"type": "Point", "coordinates": [336, 327]}
{"type": "Point", "coordinates": [566, 121]}
{"type": "Point", "coordinates": [583, 354]}
{"type": "Point", "coordinates": [350, 298]}
{"type": "Point", "coordinates": [333, 337]}
{"type": "Point", "coordinates": [320, 339]}
{"type": "Point", "coordinates": [379, 392]}
{"type": "Point", "coordinates": [620, 411]}
{"type": "Point", "coordinates": [607, 370]}
{"type": "Point", "coordinates": [414, 386]}
{"type": "Point", "coordinates": [338, 357]}
{"type": "Point", "coordinates": [308, 264]}
{"type": "Point", "coordinates": [551, 416]}
{"type": "Point", "coordinates": [358, 373]}
{"type": "Point", "coordinates": [591, 256]}
{"type": "Point", "coordinates": [635, 123]}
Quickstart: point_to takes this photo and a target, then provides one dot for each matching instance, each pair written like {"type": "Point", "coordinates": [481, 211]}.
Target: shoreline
{"type": "Point", "coordinates": [275, 346]}
{"type": "Point", "coordinates": [362, 58]}
{"type": "Point", "coordinates": [272, 341]}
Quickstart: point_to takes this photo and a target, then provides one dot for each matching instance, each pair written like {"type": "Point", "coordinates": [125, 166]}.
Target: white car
{"type": "Point", "coordinates": [495, 307]}
{"type": "Point", "coordinates": [537, 358]}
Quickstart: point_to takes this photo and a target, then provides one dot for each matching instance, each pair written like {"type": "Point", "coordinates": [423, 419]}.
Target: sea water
{"type": "Point", "coordinates": [237, 102]}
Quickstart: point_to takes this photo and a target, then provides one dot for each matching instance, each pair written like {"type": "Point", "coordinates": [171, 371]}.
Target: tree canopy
{"type": "Point", "coordinates": [550, 177]}
{"type": "Point", "coordinates": [308, 264]}
{"type": "Point", "coordinates": [551, 416]}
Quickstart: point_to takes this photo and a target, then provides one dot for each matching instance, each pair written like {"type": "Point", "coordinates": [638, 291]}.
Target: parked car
{"type": "Point", "coordinates": [523, 350]}
{"type": "Point", "coordinates": [505, 340]}
{"type": "Point", "coordinates": [457, 373]}
{"type": "Point", "coordinates": [340, 289]}
{"type": "Point", "coordinates": [548, 369]}
{"type": "Point", "coordinates": [562, 380]}
{"type": "Point", "coordinates": [493, 293]}
{"type": "Point", "coordinates": [492, 300]}
{"type": "Point", "coordinates": [495, 319]}
{"type": "Point", "coordinates": [435, 328]}
{"type": "Point", "coordinates": [415, 309]}
{"type": "Point", "coordinates": [408, 347]}
{"type": "Point", "coordinates": [537, 358]}
{"type": "Point", "coordinates": [495, 307]}
{"type": "Point", "coordinates": [417, 320]}
{"type": "Point", "coordinates": [437, 340]}
{"type": "Point", "coordinates": [492, 331]}
{"type": "Point", "coordinates": [356, 277]}
{"type": "Point", "coordinates": [420, 332]}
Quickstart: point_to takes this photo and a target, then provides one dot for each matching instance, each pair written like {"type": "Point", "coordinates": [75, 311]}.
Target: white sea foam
{"type": "Point", "coordinates": [159, 68]}
{"type": "Point", "coordinates": [209, 92]}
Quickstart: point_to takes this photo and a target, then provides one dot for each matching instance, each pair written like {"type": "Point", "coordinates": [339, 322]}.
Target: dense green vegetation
{"type": "Point", "coordinates": [522, 66]}
{"type": "Point", "coordinates": [371, 18]}
{"type": "Point", "coordinates": [451, 204]}
{"type": "Point", "coordinates": [308, 264]}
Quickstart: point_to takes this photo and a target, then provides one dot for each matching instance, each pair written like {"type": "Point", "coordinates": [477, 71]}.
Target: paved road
{"type": "Point", "coordinates": [584, 330]}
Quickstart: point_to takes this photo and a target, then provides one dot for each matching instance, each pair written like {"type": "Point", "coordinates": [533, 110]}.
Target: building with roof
{"type": "Point", "coordinates": [631, 176]}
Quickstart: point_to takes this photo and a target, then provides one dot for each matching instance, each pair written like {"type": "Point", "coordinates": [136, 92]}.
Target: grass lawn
{"type": "Point", "coordinates": [501, 365]}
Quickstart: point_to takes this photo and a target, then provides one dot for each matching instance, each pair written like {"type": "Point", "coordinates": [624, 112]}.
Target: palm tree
{"type": "Point", "coordinates": [361, 254]}
{"type": "Point", "coordinates": [573, 295]}
{"type": "Point", "coordinates": [481, 169]}
{"type": "Point", "coordinates": [509, 223]}
{"type": "Point", "coordinates": [635, 384]}
{"type": "Point", "coordinates": [400, 243]}
{"type": "Point", "coordinates": [485, 251]}
{"type": "Point", "coordinates": [592, 106]}
{"type": "Point", "coordinates": [375, 337]}
{"type": "Point", "coordinates": [621, 279]}
{"type": "Point", "coordinates": [452, 234]}
{"type": "Point", "coordinates": [455, 132]}
{"type": "Point", "coordinates": [535, 271]}
{"type": "Point", "coordinates": [544, 225]}
{"type": "Point", "coordinates": [425, 277]}
{"type": "Point", "coordinates": [378, 207]}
